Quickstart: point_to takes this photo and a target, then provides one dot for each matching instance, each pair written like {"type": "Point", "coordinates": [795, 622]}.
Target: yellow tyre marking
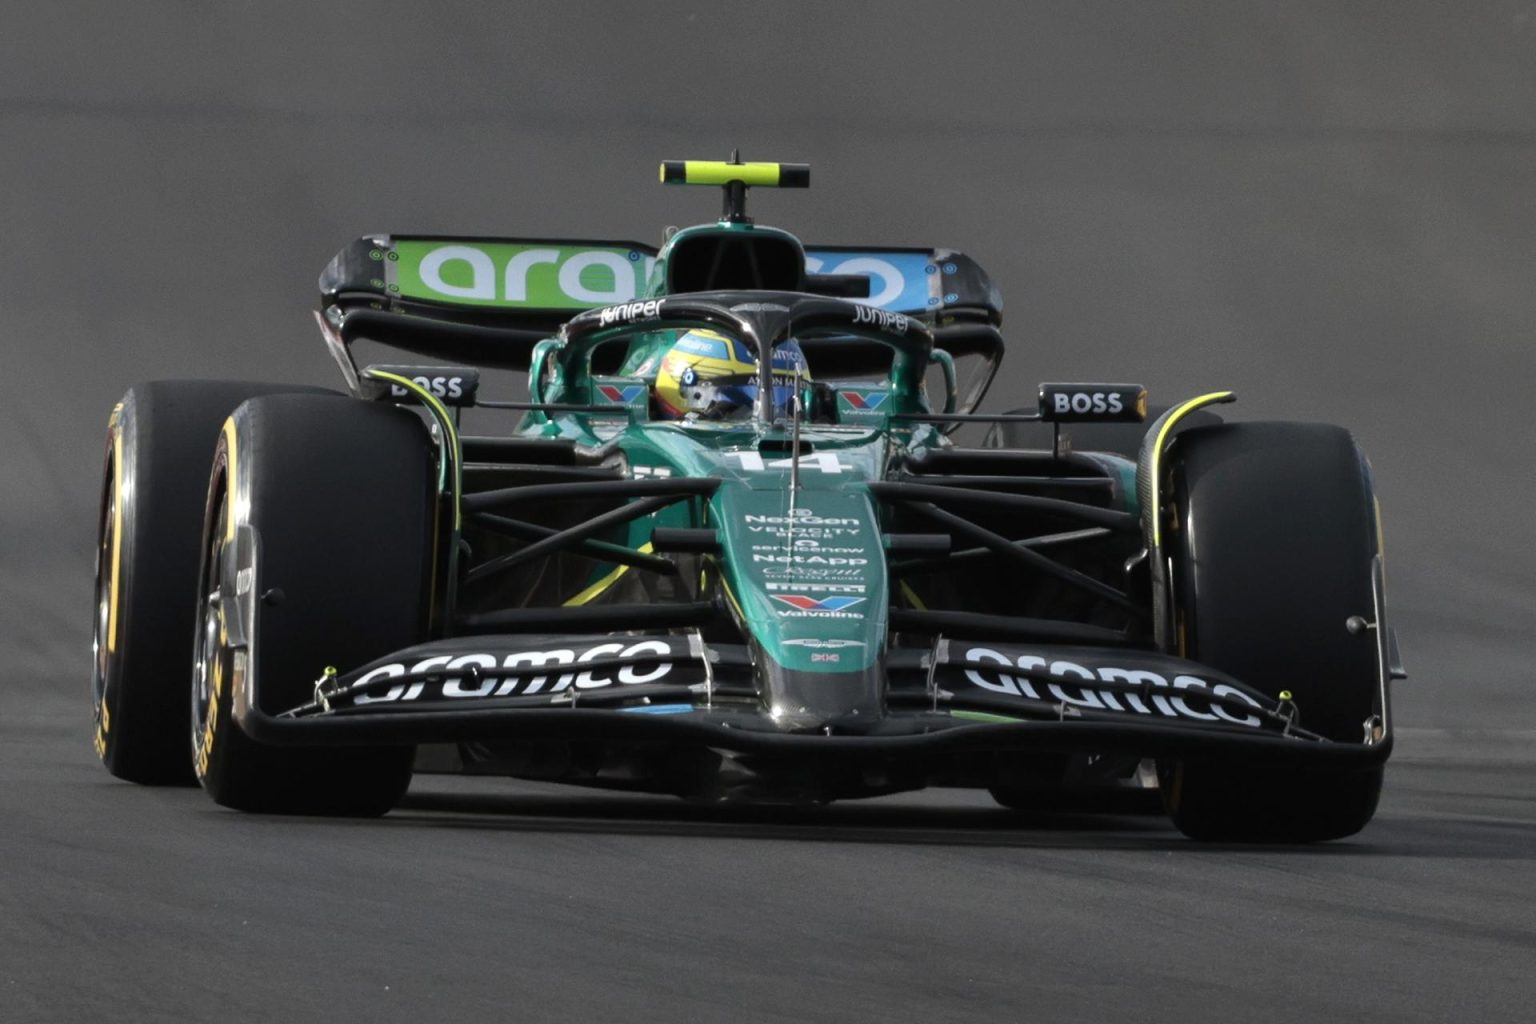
{"type": "Point", "coordinates": [103, 724]}
{"type": "Point", "coordinates": [117, 536]}
{"type": "Point", "coordinates": [230, 478]}
{"type": "Point", "coordinates": [210, 727]}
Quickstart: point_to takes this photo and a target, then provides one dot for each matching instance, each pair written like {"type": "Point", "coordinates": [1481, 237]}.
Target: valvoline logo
{"type": "Point", "coordinates": [867, 401]}
{"type": "Point", "coordinates": [623, 395]}
{"type": "Point", "coordinates": [806, 603]}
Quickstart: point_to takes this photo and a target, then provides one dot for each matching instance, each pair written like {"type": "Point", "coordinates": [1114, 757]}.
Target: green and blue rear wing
{"type": "Point", "coordinates": [490, 300]}
{"type": "Point", "coordinates": [541, 282]}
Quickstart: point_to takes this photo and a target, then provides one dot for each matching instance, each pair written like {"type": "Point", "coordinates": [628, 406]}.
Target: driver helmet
{"type": "Point", "coordinates": [709, 376]}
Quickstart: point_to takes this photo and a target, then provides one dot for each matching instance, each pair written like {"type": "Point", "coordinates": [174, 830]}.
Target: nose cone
{"type": "Point", "coordinates": [805, 573]}
{"type": "Point", "coordinates": [849, 703]}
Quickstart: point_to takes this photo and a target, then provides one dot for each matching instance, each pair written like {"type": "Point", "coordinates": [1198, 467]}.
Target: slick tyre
{"type": "Point", "coordinates": [331, 500]}
{"type": "Point", "coordinates": [160, 441]}
{"type": "Point", "coordinates": [1272, 555]}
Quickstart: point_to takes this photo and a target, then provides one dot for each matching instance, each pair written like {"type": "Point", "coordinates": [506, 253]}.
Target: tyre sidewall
{"type": "Point", "coordinates": [1272, 557]}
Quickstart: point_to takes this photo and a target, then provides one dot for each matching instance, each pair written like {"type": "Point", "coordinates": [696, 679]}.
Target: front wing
{"type": "Point", "coordinates": [953, 696]}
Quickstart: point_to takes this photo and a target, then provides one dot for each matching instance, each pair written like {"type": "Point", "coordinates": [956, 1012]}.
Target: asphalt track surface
{"type": "Point", "coordinates": [1329, 208]}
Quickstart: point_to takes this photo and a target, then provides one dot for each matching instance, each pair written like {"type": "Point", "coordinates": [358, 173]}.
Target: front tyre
{"type": "Point", "coordinates": [335, 497]}
{"type": "Point", "coordinates": [160, 439]}
{"type": "Point", "coordinates": [1273, 552]}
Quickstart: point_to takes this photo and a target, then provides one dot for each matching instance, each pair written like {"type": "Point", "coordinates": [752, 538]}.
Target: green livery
{"type": "Point", "coordinates": [730, 544]}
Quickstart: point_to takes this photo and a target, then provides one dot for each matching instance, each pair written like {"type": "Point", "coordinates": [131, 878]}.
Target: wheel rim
{"type": "Point", "coordinates": [206, 645]}
{"type": "Point", "coordinates": [105, 580]}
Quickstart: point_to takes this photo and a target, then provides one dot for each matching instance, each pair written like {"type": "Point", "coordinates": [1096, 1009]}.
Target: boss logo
{"type": "Point", "coordinates": [452, 385]}
{"type": "Point", "coordinates": [1085, 402]}
{"type": "Point", "coordinates": [442, 387]}
{"type": "Point", "coordinates": [1066, 403]}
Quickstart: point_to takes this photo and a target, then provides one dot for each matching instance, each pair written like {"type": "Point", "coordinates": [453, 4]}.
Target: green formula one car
{"type": "Point", "coordinates": [726, 548]}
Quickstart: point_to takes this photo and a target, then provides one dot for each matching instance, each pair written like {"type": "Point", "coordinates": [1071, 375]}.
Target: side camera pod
{"type": "Point", "coordinates": [735, 178]}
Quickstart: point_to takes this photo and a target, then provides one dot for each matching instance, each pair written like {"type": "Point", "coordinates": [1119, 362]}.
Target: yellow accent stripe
{"type": "Point", "coordinates": [911, 596]}
{"type": "Point", "coordinates": [1174, 416]}
{"type": "Point", "coordinates": [740, 615]}
{"type": "Point", "coordinates": [607, 581]}
{"type": "Point", "coordinates": [451, 445]}
{"type": "Point", "coordinates": [440, 413]}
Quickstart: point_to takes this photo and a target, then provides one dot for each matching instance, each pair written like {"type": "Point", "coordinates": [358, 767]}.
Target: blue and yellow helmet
{"type": "Point", "coordinates": [714, 377]}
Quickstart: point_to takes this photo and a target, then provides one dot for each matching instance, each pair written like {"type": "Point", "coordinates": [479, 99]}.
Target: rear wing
{"type": "Point", "coordinates": [490, 300]}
